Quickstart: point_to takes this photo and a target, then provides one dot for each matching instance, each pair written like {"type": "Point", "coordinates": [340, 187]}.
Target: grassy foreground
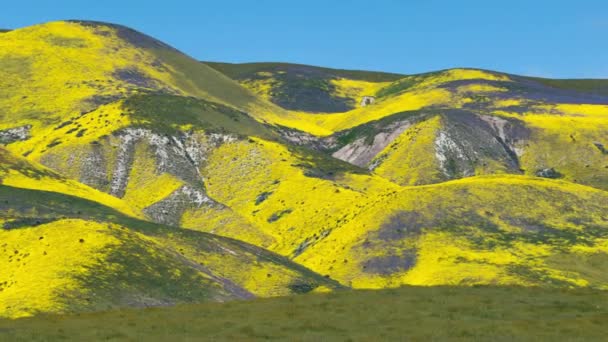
{"type": "Point", "coordinates": [410, 313]}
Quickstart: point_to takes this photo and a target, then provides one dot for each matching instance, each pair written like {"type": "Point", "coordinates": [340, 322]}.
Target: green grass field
{"type": "Point", "coordinates": [410, 313]}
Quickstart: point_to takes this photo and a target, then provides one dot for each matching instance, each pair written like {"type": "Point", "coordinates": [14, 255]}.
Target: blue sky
{"type": "Point", "coordinates": [561, 39]}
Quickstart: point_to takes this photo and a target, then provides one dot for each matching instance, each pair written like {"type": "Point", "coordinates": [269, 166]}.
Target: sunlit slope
{"type": "Point", "coordinates": [63, 73]}
{"type": "Point", "coordinates": [123, 113]}
{"type": "Point", "coordinates": [316, 114]}
{"type": "Point", "coordinates": [89, 64]}
{"type": "Point", "coordinates": [367, 232]}
{"type": "Point", "coordinates": [481, 230]}
{"type": "Point", "coordinates": [64, 254]}
{"type": "Point", "coordinates": [434, 145]}
{"type": "Point", "coordinates": [153, 134]}
{"type": "Point", "coordinates": [438, 126]}
{"type": "Point", "coordinates": [307, 88]}
{"type": "Point", "coordinates": [290, 197]}
{"type": "Point", "coordinates": [18, 172]}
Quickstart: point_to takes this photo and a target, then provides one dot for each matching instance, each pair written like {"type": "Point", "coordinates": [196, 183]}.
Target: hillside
{"type": "Point", "coordinates": [213, 181]}
{"type": "Point", "coordinates": [304, 87]}
{"type": "Point", "coordinates": [61, 253]}
{"type": "Point", "coordinates": [420, 313]}
{"type": "Point", "coordinates": [449, 124]}
{"type": "Point", "coordinates": [500, 229]}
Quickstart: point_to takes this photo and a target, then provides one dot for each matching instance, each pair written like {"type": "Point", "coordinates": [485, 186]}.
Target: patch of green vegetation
{"type": "Point", "coordinates": [537, 275]}
{"type": "Point", "coordinates": [26, 222]}
{"type": "Point", "coordinates": [53, 143]}
{"type": "Point", "coordinates": [16, 65]}
{"type": "Point", "coordinates": [172, 280]}
{"type": "Point", "coordinates": [302, 87]}
{"type": "Point", "coordinates": [194, 77]}
{"type": "Point", "coordinates": [398, 87]}
{"type": "Point", "coordinates": [302, 287]}
{"type": "Point", "coordinates": [245, 70]}
{"type": "Point", "coordinates": [9, 162]}
{"type": "Point", "coordinates": [308, 93]}
{"type": "Point", "coordinates": [276, 216]}
{"type": "Point", "coordinates": [166, 113]}
{"type": "Point", "coordinates": [420, 313]}
{"type": "Point", "coordinates": [486, 234]}
{"type": "Point", "coordinates": [592, 86]}
{"type": "Point", "coordinates": [590, 266]}
{"type": "Point", "coordinates": [404, 84]}
{"type": "Point", "coordinates": [262, 197]}
{"type": "Point", "coordinates": [66, 41]}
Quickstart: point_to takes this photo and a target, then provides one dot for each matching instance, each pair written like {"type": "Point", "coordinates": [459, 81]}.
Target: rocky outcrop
{"type": "Point", "coordinates": [469, 142]}
{"type": "Point", "coordinates": [362, 151]}
{"type": "Point", "coordinates": [170, 210]}
{"type": "Point", "coordinates": [308, 140]}
{"type": "Point", "coordinates": [108, 164]}
{"type": "Point", "coordinates": [367, 100]}
{"type": "Point", "coordinates": [14, 134]}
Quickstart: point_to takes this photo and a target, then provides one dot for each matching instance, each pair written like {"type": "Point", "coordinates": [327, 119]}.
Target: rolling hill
{"type": "Point", "coordinates": [443, 125]}
{"type": "Point", "coordinates": [61, 252]}
{"type": "Point", "coordinates": [190, 181]}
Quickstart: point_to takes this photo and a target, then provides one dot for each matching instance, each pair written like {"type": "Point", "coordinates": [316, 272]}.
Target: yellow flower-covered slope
{"type": "Point", "coordinates": [457, 177]}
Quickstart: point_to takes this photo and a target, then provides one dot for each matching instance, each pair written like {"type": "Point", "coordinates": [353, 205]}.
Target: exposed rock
{"type": "Point", "coordinates": [107, 165]}
{"type": "Point", "coordinates": [449, 152]}
{"type": "Point", "coordinates": [305, 139]}
{"type": "Point", "coordinates": [367, 100]}
{"type": "Point", "coordinates": [360, 152]}
{"type": "Point", "coordinates": [178, 155]}
{"type": "Point", "coordinates": [124, 160]}
{"type": "Point", "coordinates": [94, 172]}
{"type": "Point", "coordinates": [169, 210]}
{"type": "Point", "coordinates": [468, 141]}
{"type": "Point", "coordinates": [12, 135]}
{"type": "Point", "coordinates": [512, 134]}
{"type": "Point", "coordinates": [548, 173]}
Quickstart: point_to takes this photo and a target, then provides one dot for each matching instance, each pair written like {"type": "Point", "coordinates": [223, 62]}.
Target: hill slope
{"type": "Point", "coordinates": [459, 177]}
{"type": "Point", "coordinates": [131, 112]}
{"type": "Point", "coordinates": [433, 127]}
{"type": "Point", "coordinates": [62, 253]}
{"type": "Point", "coordinates": [341, 225]}
{"type": "Point", "coordinates": [306, 88]}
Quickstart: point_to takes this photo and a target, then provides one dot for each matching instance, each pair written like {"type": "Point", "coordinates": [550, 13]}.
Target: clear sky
{"type": "Point", "coordinates": [550, 38]}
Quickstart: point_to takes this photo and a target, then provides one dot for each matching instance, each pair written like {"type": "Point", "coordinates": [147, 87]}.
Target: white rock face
{"type": "Point", "coordinates": [197, 196]}
{"type": "Point", "coordinates": [445, 149]}
{"type": "Point", "coordinates": [183, 153]}
{"type": "Point", "coordinates": [120, 175]}
{"type": "Point", "coordinates": [499, 125]}
{"type": "Point", "coordinates": [360, 153]}
{"type": "Point", "coordinates": [367, 100]}
{"type": "Point", "coordinates": [10, 135]}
